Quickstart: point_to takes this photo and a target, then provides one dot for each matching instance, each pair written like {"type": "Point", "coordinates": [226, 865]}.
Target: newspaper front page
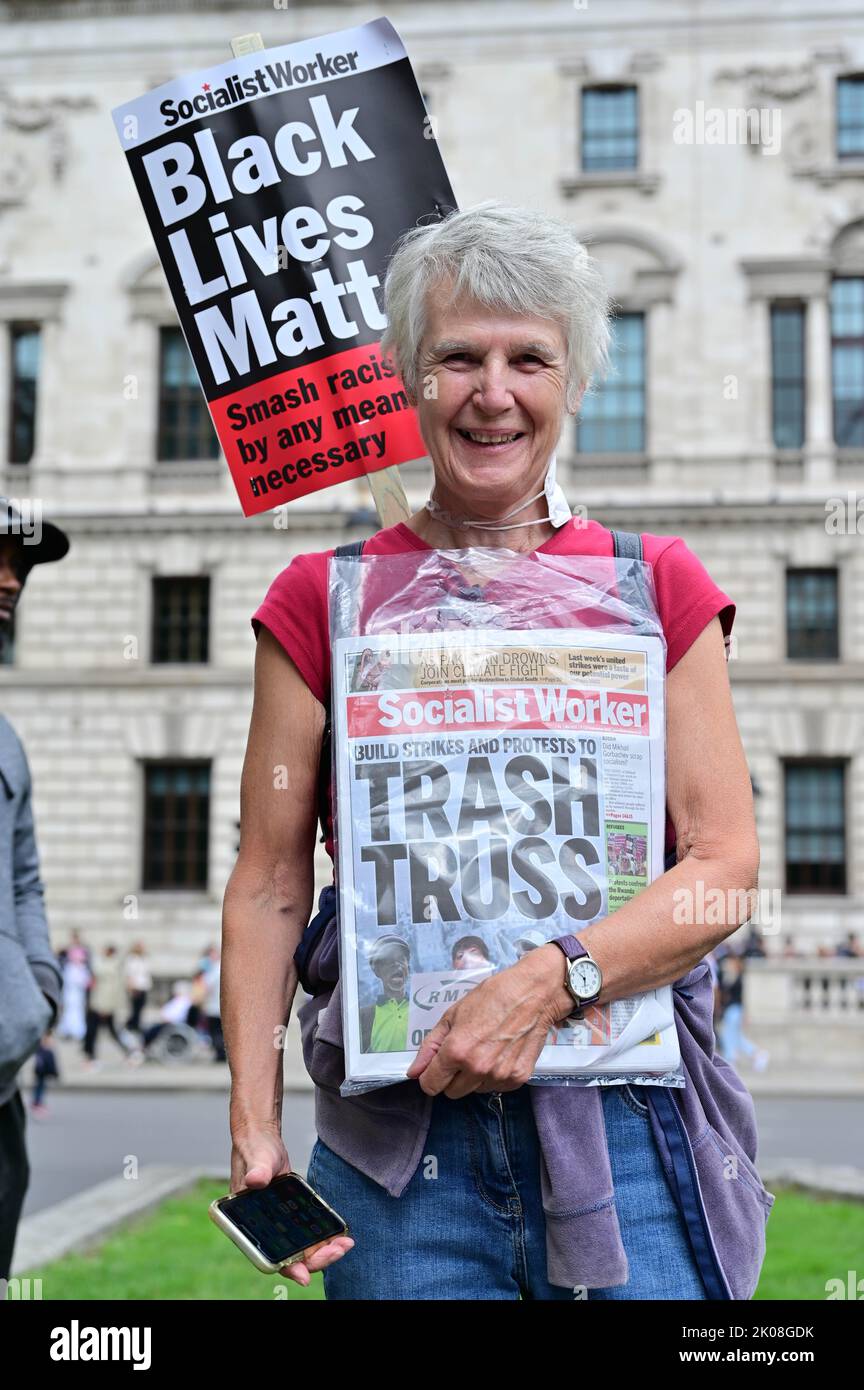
{"type": "Point", "coordinates": [495, 789]}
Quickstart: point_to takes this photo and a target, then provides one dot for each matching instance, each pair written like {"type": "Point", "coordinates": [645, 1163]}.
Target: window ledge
{"type": "Point", "coordinates": [815, 898]}
{"type": "Point", "coordinates": [17, 478]}
{"type": "Point", "coordinates": [140, 674]}
{"type": "Point", "coordinates": [172, 667]}
{"type": "Point", "coordinates": [179, 473]}
{"type": "Point", "coordinates": [828, 174]}
{"type": "Point", "coordinates": [788, 465]}
{"type": "Point", "coordinates": [573, 184]}
{"type": "Point", "coordinates": [788, 671]}
{"type": "Point", "coordinates": [176, 897]}
{"type": "Point", "coordinates": [580, 461]}
{"type": "Point", "coordinates": [33, 301]}
{"type": "Point", "coordinates": [197, 465]}
{"type": "Point", "coordinates": [814, 666]}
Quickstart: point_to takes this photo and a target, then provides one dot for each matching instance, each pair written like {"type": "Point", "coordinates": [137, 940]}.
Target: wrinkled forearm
{"type": "Point", "coordinates": [653, 939]}
{"type": "Point", "coordinates": [260, 931]}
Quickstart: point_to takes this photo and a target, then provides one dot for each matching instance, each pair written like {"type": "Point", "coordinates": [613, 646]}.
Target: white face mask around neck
{"type": "Point", "coordinates": [558, 514]}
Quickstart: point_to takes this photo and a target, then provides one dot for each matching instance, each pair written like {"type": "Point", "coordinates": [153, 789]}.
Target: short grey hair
{"type": "Point", "coordinates": [503, 257]}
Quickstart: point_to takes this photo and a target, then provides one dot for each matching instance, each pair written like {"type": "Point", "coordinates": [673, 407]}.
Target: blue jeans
{"type": "Point", "coordinates": [470, 1223]}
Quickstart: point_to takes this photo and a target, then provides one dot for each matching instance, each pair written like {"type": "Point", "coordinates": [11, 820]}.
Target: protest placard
{"type": "Point", "coordinates": [495, 789]}
{"type": "Point", "coordinates": [276, 186]}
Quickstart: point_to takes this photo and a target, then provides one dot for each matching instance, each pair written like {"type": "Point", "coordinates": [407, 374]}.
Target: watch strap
{"type": "Point", "coordinates": [571, 946]}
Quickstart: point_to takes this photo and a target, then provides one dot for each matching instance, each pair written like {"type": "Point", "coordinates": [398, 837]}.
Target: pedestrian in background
{"type": "Point", "coordinates": [76, 983]}
{"type": "Point", "coordinates": [107, 998]}
{"type": "Point", "coordinates": [212, 1003]}
{"type": "Point", "coordinates": [139, 982]}
{"type": "Point", "coordinates": [732, 1036]}
{"type": "Point", "coordinates": [29, 971]}
{"type": "Point", "coordinates": [45, 1069]}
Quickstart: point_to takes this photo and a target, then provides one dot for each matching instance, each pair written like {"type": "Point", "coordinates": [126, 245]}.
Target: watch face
{"type": "Point", "coordinates": [585, 978]}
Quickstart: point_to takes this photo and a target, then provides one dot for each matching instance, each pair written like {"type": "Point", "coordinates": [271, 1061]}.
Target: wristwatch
{"type": "Point", "coordinates": [583, 978]}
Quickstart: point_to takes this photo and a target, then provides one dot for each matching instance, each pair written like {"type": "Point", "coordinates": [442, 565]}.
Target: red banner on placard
{"type": "Point", "coordinates": [315, 425]}
{"type": "Point", "coordinates": [513, 707]}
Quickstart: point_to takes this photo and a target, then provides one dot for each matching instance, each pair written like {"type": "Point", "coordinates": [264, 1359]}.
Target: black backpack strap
{"type": "Point", "coordinates": [343, 552]}
{"type": "Point", "coordinates": [627, 545]}
{"type": "Point", "coordinates": [315, 980]}
{"type": "Point", "coordinates": [349, 550]}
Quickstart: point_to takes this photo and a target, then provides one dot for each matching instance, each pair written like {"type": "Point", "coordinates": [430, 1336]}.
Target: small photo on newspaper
{"type": "Point", "coordinates": [494, 790]}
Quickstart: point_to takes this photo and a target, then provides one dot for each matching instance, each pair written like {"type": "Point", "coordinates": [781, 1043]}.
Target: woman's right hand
{"type": "Point", "coordinates": [258, 1155]}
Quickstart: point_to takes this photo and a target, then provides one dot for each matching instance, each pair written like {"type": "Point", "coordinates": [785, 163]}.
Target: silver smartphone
{"type": "Point", "coordinates": [273, 1225]}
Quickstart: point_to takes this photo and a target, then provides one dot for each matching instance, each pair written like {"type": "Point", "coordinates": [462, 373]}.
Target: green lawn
{"type": "Point", "coordinates": [810, 1240]}
{"type": "Point", "coordinates": [177, 1253]}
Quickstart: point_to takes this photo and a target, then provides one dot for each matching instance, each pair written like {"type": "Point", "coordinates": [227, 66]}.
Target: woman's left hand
{"type": "Point", "coordinates": [491, 1039]}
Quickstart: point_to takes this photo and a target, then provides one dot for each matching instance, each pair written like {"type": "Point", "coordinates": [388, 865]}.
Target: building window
{"type": "Point", "coordinates": [812, 615]}
{"type": "Point", "coordinates": [612, 418]}
{"type": "Point", "coordinates": [610, 128]}
{"type": "Point", "coordinates": [787, 375]}
{"type": "Point", "coordinates": [815, 827]}
{"type": "Point", "coordinates": [181, 619]}
{"type": "Point", "coordinates": [176, 824]}
{"type": "Point", "coordinates": [185, 428]}
{"type": "Point", "coordinates": [850, 117]}
{"type": "Point", "coordinates": [25, 344]}
{"type": "Point", "coordinates": [847, 360]}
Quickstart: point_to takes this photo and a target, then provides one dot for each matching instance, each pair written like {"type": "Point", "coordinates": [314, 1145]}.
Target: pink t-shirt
{"type": "Point", "coordinates": [295, 608]}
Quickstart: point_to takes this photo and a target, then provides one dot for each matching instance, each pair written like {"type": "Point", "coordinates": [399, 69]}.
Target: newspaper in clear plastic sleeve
{"type": "Point", "coordinates": [499, 780]}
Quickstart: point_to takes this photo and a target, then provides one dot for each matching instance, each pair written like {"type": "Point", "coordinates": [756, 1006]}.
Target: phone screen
{"type": "Point", "coordinates": [282, 1218]}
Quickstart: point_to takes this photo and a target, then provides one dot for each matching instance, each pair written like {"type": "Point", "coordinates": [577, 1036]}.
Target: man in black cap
{"type": "Point", "coordinates": [25, 540]}
{"type": "Point", "coordinates": [29, 973]}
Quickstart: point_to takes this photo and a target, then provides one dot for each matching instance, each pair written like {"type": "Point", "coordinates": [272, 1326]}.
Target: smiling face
{"type": "Point", "coordinates": [491, 403]}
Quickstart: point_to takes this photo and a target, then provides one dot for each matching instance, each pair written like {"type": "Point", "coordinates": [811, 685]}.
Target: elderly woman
{"type": "Point", "coordinates": [463, 1181]}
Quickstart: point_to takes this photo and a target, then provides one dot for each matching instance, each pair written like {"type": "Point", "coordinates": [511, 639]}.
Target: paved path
{"type": "Point", "coordinates": [203, 1074]}
{"type": "Point", "coordinates": [167, 1123]}
{"type": "Point", "coordinates": [88, 1137]}
{"type": "Point", "coordinates": [101, 1156]}
{"type": "Point", "coordinates": [118, 1139]}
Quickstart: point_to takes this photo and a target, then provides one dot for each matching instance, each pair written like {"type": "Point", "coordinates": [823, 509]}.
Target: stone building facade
{"type": "Point", "coordinates": [723, 237]}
